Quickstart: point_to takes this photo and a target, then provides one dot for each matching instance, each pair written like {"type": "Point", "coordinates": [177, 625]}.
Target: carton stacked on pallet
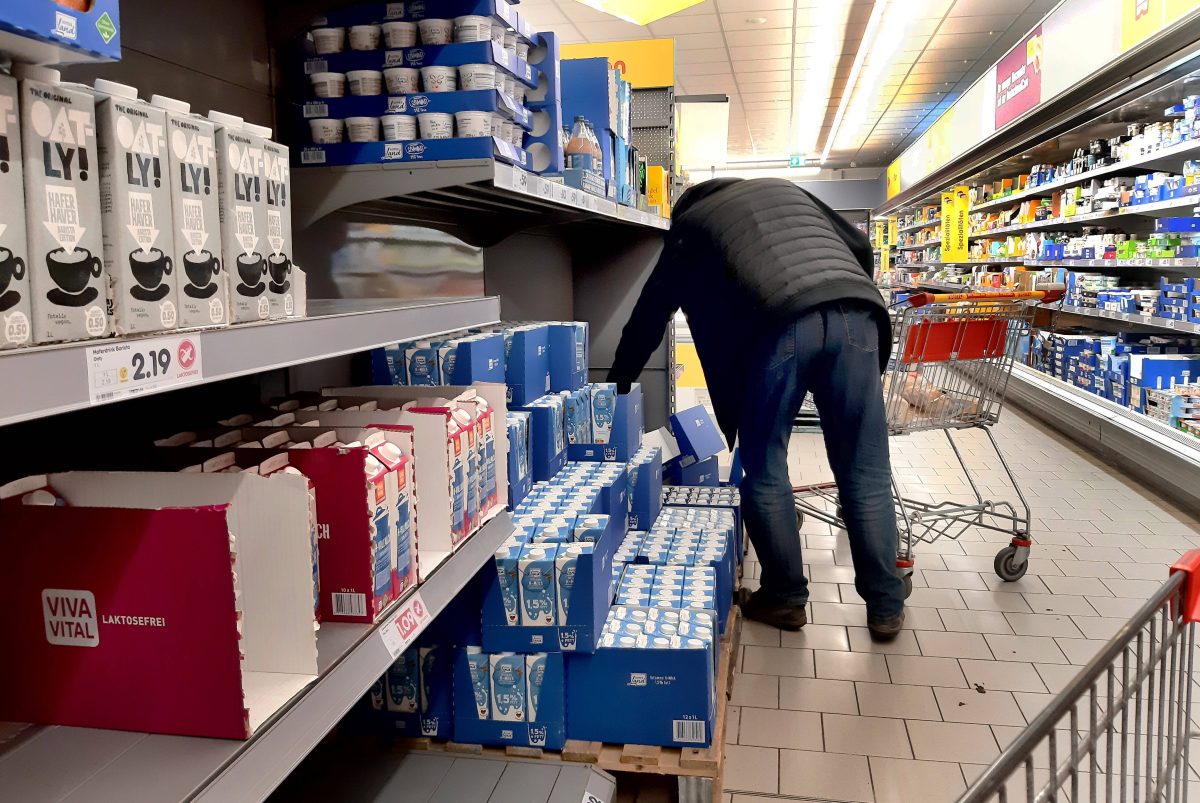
{"type": "Point", "coordinates": [552, 658]}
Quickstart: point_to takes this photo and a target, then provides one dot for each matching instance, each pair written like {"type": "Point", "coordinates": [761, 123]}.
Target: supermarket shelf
{"type": "Point", "coordinates": [1156, 209]}
{"type": "Point", "coordinates": [1148, 262]}
{"type": "Point", "coordinates": [924, 245]}
{"type": "Point", "coordinates": [479, 199]}
{"type": "Point", "coordinates": [1164, 456]}
{"type": "Point", "coordinates": [137, 767]}
{"type": "Point", "coordinates": [927, 225]}
{"type": "Point", "coordinates": [54, 379]}
{"type": "Point", "coordinates": [1172, 157]}
{"type": "Point", "coordinates": [1182, 327]}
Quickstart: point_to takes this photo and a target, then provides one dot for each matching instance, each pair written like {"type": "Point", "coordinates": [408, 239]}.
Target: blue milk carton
{"type": "Point", "coordinates": [447, 356]}
{"type": "Point", "coordinates": [422, 360]}
{"type": "Point", "coordinates": [536, 574]}
{"type": "Point", "coordinates": [480, 666]}
{"type": "Point", "coordinates": [535, 674]}
{"type": "Point", "coordinates": [589, 528]}
{"type": "Point", "coordinates": [603, 406]}
{"type": "Point", "coordinates": [402, 679]}
{"type": "Point", "coordinates": [579, 416]}
{"type": "Point", "coordinates": [508, 687]}
{"type": "Point", "coordinates": [564, 573]}
{"type": "Point", "coordinates": [507, 560]}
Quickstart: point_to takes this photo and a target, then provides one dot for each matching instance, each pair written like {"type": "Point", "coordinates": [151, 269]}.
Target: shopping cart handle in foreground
{"type": "Point", "coordinates": [1048, 295]}
{"type": "Point", "coordinates": [1189, 564]}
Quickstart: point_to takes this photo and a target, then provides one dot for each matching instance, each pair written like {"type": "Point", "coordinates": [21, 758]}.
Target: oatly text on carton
{"type": "Point", "coordinates": [243, 217]}
{"type": "Point", "coordinates": [277, 190]}
{"type": "Point", "coordinates": [68, 288]}
{"type": "Point", "coordinates": [135, 205]}
{"type": "Point", "coordinates": [201, 277]}
{"type": "Point", "coordinates": [15, 326]}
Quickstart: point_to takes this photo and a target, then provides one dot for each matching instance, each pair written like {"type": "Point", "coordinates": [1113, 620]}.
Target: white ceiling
{"type": "Point", "coordinates": [785, 75]}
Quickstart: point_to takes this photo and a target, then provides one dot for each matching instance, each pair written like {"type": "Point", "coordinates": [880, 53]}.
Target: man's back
{"type": "Point", "coordinates": [742, 259]}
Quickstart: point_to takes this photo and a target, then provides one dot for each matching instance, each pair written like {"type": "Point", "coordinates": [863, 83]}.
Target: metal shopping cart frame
{"type": "Point", "coordinates": [951, 363]}
{"type": "Point", "coordinates": [1130, 740]}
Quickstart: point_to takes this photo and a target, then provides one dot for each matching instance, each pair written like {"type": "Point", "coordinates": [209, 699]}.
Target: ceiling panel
{"type": "Point", "coordinates": [769, 56]}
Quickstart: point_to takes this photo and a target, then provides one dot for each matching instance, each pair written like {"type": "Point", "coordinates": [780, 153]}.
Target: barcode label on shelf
{"type": "Point", "coordinates": [349, 604]}
{"type": "Point", "coordinates": [399, 630]}
{"type": "Point", "coordinates": [313, 110]}
{"type": "Point", "coordinates": [691, 731]}
{"type": "Point", "coordinates": [315, 65]}
{"type": "Point", "coordinates": [312, 156]}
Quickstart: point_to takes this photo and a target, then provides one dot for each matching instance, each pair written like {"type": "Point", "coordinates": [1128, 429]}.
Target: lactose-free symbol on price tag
{"type": "Point", "coordinates": [124, 368]}
{"type": "Point", "coordinates": [403, 626]}
{"type": "Point", "coordinates": [520, 180]}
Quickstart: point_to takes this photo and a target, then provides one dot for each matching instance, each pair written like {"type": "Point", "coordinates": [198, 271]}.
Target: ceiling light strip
{"type": "Point", "coordinates": [864, 47]}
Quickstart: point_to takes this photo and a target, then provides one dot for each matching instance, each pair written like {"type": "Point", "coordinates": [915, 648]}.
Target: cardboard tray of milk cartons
{"type": "Point", "coordinates": [176, 603]}
{"type": "Point", "coordinates": [434, 502]}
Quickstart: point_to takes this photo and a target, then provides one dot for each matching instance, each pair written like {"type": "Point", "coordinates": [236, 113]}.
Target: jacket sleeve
{"type": "Point", "coordinates": [648, 322]}
{"type": "Point", "coordinates": [858, 243]}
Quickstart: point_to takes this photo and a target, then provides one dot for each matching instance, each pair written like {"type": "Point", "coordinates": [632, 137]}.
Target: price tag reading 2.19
{"type": "Point", "coordinates": [125, 368]}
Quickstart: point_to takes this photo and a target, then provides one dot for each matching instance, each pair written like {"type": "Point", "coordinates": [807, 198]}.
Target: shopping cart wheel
{"type": "Point", "coordinates": [1009, 565]}
{"type": "Point", "coordinates": [907, 585]}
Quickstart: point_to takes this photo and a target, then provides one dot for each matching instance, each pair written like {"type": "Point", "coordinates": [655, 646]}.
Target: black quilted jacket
{"type": "Point", "coordinates": [742, 260]}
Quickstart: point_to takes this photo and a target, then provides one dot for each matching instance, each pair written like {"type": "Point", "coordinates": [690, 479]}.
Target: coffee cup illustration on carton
{"type": "Point", "coordinates": [73, 271]}
{"type": "Point", "coordinates": [251, 268]}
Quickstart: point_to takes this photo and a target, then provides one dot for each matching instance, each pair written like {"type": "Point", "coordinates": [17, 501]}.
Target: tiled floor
{"type": "Point", "coordinates": [826, 714]}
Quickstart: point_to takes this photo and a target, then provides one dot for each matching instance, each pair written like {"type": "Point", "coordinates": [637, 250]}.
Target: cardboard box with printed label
{"type": "Point", "coordinates": [186, 607]}
{"type": "Point", "coordinates": [243, 217]}
{"type": "Point", "coordinates": [15, 322]}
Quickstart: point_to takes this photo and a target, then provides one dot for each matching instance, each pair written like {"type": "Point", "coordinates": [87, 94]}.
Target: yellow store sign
{"type": "Point", "coordinates": [955, 206]}
{"type": "Point", "coordinates": [645, 63]}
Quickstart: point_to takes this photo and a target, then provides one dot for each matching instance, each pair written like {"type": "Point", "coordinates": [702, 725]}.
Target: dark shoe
{"type": "Point", "coordinates": [771, 612]}
{"type": "Point", "coordinates": [886, 629]}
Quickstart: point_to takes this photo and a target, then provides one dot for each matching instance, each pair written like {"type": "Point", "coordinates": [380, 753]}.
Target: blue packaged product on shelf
{"type": "Point", "coordinates": [450, 55]}
{"type": "Point", "coordinates": [564, 571]}
{"type": "Point", "coordinates": [579, 416]}
{"type": "Point", "coordinates": [527, 363]}
{"type": "Point", "coordinates": [507, 560]}
{"type": "Point", "coordinates": [696, 433]}
{"type": "Point", "coordinates": [483, 100]}
{"type": "Point", "coordinates": [540, 701]}
{"type": "Point", "coordinates": [603, 407]}
{"type": "Point", "coordinates": [417, 150]}
{"type": "Point", "coordinates": [422, 364]}
{"type": "Point", "coordinates": [447, 356]}
{"type": "Point", "coordinates": [589, 528]}
{"type": "Point", "coordinates": [547, 437]}
{"type": "Point", "coordinates": [402, 684]}
{"type": "Point", "coordinates": [705, 473]}
{"type": "Point", "coordinates": [508, 687]}
{"type": "Point", "coordinates": [436, 708]}
{"type": "Point", "coordinates": [80, 32]}
{"type": "Point", "coordinates": [624, 432]}
{"type": "Point", "coordinates": [479, 682]}
{"type": "Point", "coordinates": [537, 591]}
{"type": "Point", "coordinates": [645, 480]}
{"type": "Point", "coordinates": [568, 355]}
{"type": "Point", "coordinates": [671, 685]}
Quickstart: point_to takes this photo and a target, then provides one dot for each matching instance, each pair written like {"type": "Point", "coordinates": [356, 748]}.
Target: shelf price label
{"type": "Point", "coordinates": [403, 626]}
{"type": "Point", "coordinates": [125, 368]}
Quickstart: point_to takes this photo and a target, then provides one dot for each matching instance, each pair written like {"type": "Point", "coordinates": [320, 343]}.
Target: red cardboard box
{"type": "Point", "coordinates": [185, 606]}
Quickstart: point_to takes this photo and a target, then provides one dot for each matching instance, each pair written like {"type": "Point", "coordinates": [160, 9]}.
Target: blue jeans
{"type": "Point", "coordinates": [831, 352]}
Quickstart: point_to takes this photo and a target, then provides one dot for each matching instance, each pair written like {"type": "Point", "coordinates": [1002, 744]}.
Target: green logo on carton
{"type": "Point", "coordinates": [106, 27]}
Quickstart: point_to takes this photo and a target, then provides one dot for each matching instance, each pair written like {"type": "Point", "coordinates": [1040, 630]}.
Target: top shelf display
{"type": "Point", "coordinates": [53, 32]}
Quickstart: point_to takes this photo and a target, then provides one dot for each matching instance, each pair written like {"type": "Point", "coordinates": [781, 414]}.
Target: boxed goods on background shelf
{"type": "Point", "coordinates": [49, 32]}
{"type": "Point", "coordinates": [509, 698]}
{"type": "Point", "coordinates": [421, 88]}
{"type": "Point", "coordinates": [196, 582]}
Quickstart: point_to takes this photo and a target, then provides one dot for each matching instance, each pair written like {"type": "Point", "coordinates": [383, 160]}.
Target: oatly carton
{"type": "Point", "coordinates": [195, 205]}
{"type": "Point", "coordinates": [277, 190]}
{"type": "Point", "coordinates": [67, 283]}
{"type": "Point", "coordinates": [14, 256]}
{"type": "Point", "coordinates": [135, 204]}
{"type": "Point", "coordinates": [243, 217]}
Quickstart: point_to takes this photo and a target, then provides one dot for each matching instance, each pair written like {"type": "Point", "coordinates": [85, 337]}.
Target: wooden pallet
{"type": "Point", "coordinates": [707, 763]}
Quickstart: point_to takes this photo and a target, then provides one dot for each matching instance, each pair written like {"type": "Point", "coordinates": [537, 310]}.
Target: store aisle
{"type": "Point", "coordinates": [826, 714]}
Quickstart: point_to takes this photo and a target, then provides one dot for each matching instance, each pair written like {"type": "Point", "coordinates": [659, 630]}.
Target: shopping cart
{"type": "Point", "coordinates": [951, 361]}
{"type": "Point", "coordinates": [1121, 729]}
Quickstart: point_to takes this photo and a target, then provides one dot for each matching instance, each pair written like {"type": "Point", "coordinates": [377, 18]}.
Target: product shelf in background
{"type": "Point", "coordinates": [142, 768]}
{"type": "Point", "coordinates": [54, 379]}
{"type": "Point", "coordinates": [486, 192]}
{"type": "Point", "coordinates": [918, 247]}
{"type": "Point", "coordinates": [1171, 158]}
{"type": "Point", "coordinates": [926, 225]}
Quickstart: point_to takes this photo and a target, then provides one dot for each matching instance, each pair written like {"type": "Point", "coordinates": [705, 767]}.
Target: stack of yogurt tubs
{"type": "Point", "coordinates": [411, 80]}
